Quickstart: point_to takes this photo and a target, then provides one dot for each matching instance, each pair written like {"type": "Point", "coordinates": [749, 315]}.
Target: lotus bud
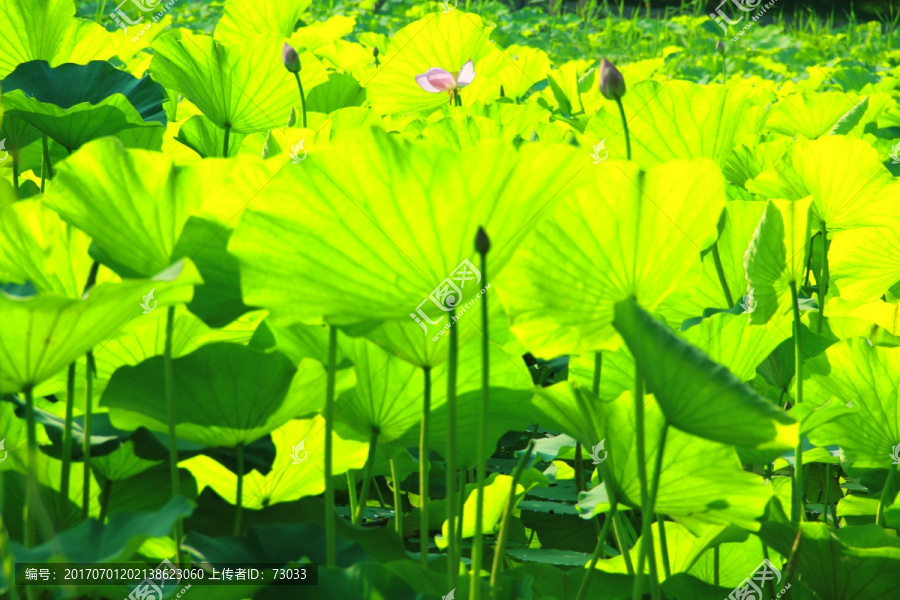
{"type": "Point", "coordinates": [720, 47]}
{"type": "Point", "coordinates": [290, 58]}
{"type": "Point", "coordinates": [482, 241]}
{"type": "Point", "coordinates": [612, 84]}
{"type": "Point", "coordinates": [375, 51]}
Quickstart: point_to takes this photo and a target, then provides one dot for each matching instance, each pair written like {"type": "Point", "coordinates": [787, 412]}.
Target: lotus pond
{"type": "Point", "coordinates": [385, 300]}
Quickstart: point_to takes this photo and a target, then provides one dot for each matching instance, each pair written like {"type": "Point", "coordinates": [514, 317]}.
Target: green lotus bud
{"type": "Point", "coordinates": [290, 58]}
{"type": "Point", "coordinates": [482, 241]}
{"type": "Point", "coordinates": [720, 47]}
{"type": "Point", "coordinates": [375, 51]}
{"type": "Point", "coordinates": [612, 84]}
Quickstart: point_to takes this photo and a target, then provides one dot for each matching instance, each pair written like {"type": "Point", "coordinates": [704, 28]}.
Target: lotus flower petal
{"type": "Point", "coordinates": [466, 74]}
{"type": "Point", "coordinates": [436, 80]}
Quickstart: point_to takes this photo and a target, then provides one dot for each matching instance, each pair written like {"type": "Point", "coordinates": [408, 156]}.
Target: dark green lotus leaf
{"type": "Point", "coordinates": [74, 104]}
{"type": "Point", "coordinates": [227, 394]}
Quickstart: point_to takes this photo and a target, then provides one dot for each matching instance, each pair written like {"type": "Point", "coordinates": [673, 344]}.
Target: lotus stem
{"type": "Point", "coordinates": [424, 537]}
{"type": "Point", "coordinates": [598, 551]}
{"type": "Point", "coordinates": [239, 501]}
{"type": "Point", "coordinates": [105, 495]}
{"type": "Point", "coordinates": [452, 565]}
{"type": "Point", "coordinates": [646, 548]}
{"type": "Point", "coordinates": [625, 125]}
{"type": "Point", "coordinates": [354, 499]}
{"type": "Point", "coordinates": [67, 450]}
{"type": "Point", "coordinates": [367, 475]}
{"type": "Point", "coordinates": [823, 284]}
{"type": "Point", "coordinates": [797, 506]}
{"type": "Point", "coordinates": [500, 550]}
{"type": "Point", "coordinates": [86, 444]}
{"type": "Point", "coordinates": [482, 451]}
{"type": "Point", "coordinates": [302, 97]}
{"type": "Point", "coordinates": [887, 494]}
{"type": "Point", "coordinates": [457, 98]}
{"type": "Point", "coordinates": [717, 259]}
{"type": "Point", "coordinates": [716, 564]}
{"type": "Point", "coordinates": [460, 518]}
{"type": "Point", "coordinates": [48, 174]}
{"type": "Point", "coordinates": [31, 489]}
{"type": "Point", "coordinates": [654, 489]}
{"type": "Point", "coordinates": [827, 491]}
{"type": "Point", "coordinates": [398, 500]}
{"type": "Point", "coordinates": [225, 142]}
{"type": "Point", "coordinates": [661, 524]}
{"type": "Point", "coordinates": [169, 380]}
{"type": "Point", "coordinates": [7, 562]}
{"type": "Point", "coordinates": [15, 176]}
{"type": "Point", "coordinates": [330, 537]}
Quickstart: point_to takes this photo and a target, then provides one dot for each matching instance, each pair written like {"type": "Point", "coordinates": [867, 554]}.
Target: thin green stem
{"type": "Point", "coordinates": [239, 502]}
{"type": "Point", "coordinates": [31, 489]}
{"type": "Point", "coordinates": [367, 474]}
{"type": "Point", "coordinates": [500, 549]}
{"type": "Point", "coordinates": [717, 259]}
{"type": "Point", "coordinates": [797, 505]}
{"type": "Point", "coordinates": [47, 165]}
{"type": "Point", "coordinates": [724, 70]}
{"type": "Point", "coordinates": [354, 499]}
{"type": "Point", "coordinates": [457, 99]}
{"type": "Point", "coordinates": [823, 284]}
{"type": "Point", "coordinates": [65, 475]}
{"type": "Point", "coordinates": [654, 489]}
{"type": "Point", "coordinates": [598, 551]}
{"type": "Point", "coordinates": [646, 547]}
{"type": "Point", "coordinates": [105, 495]}
{"type": "Point", "coordinates": [302, 97]}
{"type": "Point", "coordinates": [225, 141]}
{"type": "Point", "coordinates": [15, 174]}
{"type": "Point", "coordinates": [330, 534]}
{"type": "Point", "coordinates": [460, 518]}
{"type": "Point", "coordinates": [424, 537]}
{"type": "Point", "coordinates": [452, 565]}
{"type": "Point", "coordinates": [827, 491]}
{"type": "Point", "coordinates": [7, 562]}
{"type": "Point", "coordinates": [477, 545]}
{"type": "Point", "coordinates": [398, 499]}
{"type": "Point", "coordinates": [887, 494]}
{"type": "Point", "coordinates": [663, 545]}
{"type": "Point", "coordinates": [169, 380]}
{"type": "Point", "coordinates": [86, 444]}
{"type": "Point", "coordinates": [625, 125]}
{"type": "Point", "coordinates": [716, 564]}
{"type": "Point", "coordinates": [619, 530]}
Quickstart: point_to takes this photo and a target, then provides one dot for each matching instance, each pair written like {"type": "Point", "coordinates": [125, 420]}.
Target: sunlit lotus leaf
{"type": "Point", "coordinates": [639, 235]}
{"type": "Point", "coordinates": [864, 263]}
{"type": "Point", "coordinates": [45, 333]}
{"type": "Point", "coordinates": [443, 40]}
{"type": "Point", "coordinates": [810, 114]}
{"type": "Point", "coordinates": [246, 19]}
{"type": "Point", "coordinates": [393, 234]}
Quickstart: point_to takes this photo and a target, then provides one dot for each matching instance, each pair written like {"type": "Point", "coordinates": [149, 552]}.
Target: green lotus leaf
{"type": "Point", "coordinates": [496, 494]}
{"type": "Point", "coordinates": [842, 564]}
{"type": "Point", "coordinates": [639, 235]}
{"type": "Point", "coordinates": [228, 395]}
{"type": "Point", "coordinates": [47, 332]}
{"type": "Point", "coordinates": [741, 219]}
{"type": "Point", "coordinates": [864, 263]}
{"type": "Point", "coordinates": [516, 68]}
{"type": "Point", "coordinates": [777, 256]}
{"type": "Point", "coordinates": [244, 87]}
{"type": "Point", "coordinates": [341, 91]}
{"type": "Point", "coordinates": [442, 40]}
{"type": "Point", "coordinates": [854, 371]}
{"type": "Point", "coordinates": [399, 211]}
{"type": "Point", "coordinates": [810, 114]}
{"type": "Point", "coordinates": [851, 119]}
{"type": "Point", "coordinates": [516, 119]}
{"type": "Point", "coordinates": [74, 104]}
{"type": "Point", "coordinates": [463, 131]}
{"type": "Point", "coordinates": [698, 395]}
{"type": "Point", "coordinates": [864, 196]}
{"type": "Point", "coordinates": [47, 30]}
{"type": "Point", "coordinates": [297, 471]}
{"type": "Point", "coordinates": [203, 137]}
{"type": "Point", "coordinates": [243, 19]}
{"type": "Point", "coordinates": [746, 162]}
{"type": "Point", "coordinates": [699, 477]}
{"type": "Point", "coordinates": [17, 134]}
{"type": "Point", "coordinates": [677, 120]}
{"type": "Point", "coordinates": [37, 246]}
{"type": "Point", "coordinates": [117, 541]}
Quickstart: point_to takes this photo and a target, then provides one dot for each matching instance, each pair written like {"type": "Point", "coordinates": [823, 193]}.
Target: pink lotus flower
{"type": "Point", "coordinates": [436, 80]}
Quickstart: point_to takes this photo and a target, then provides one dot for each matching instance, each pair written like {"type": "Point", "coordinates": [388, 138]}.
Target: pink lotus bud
{"type": "Point", "coordinates": [290, 58]}
{"type": "Point", "coordinates": [612, 84]}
